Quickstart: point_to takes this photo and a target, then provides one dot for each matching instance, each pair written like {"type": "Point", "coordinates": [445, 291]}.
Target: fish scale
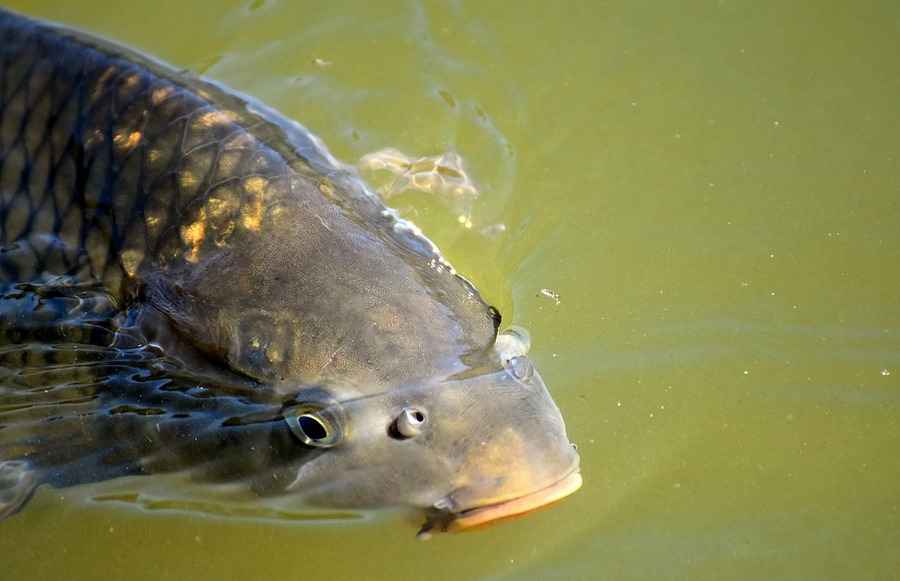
{"type": "Point", "coordinates": [87, 172]}
{"type": "Point", "coordinates": [89, 400]}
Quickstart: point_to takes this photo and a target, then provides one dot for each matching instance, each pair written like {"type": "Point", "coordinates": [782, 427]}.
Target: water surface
{"type": "Point", "coordinates": [711, 188]}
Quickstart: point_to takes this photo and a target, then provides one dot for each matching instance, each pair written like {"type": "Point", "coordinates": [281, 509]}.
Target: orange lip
{"type": "Point", "coordinates": [542, 497]}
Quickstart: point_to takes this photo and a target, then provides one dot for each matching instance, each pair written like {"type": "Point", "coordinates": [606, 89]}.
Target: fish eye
{"type": "Point", "coordinates": [520, 367]}
{"type": "Point", "coordinates": [408, 424]}
{"type": "Point", "coordinates": [313, 430]}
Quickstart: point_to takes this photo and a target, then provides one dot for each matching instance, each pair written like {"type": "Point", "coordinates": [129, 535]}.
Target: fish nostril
{"type": "Point", "coordinates": [408, 424]}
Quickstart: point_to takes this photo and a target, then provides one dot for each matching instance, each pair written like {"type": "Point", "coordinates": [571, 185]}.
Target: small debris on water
{"type": "Point", "coordinates": [494, 230]}
{"type": "Point", "coordinates": [322, 63]}
{"type": "Point", "coordinates": [885, 372]}
{"type": "Point", "coordinates": [549, 294]}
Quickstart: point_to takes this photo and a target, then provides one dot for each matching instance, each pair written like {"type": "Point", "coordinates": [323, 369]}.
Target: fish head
{"type": "Point", "coordinates": [469, 448]}
{"type": "Point", "coordinates": [418, 400]}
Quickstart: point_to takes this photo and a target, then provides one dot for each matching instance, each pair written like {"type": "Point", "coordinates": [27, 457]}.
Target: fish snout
{"type": "Point", "coordinates": [450, 515]}
{"type": "Point", "coordinates": [520, 460]}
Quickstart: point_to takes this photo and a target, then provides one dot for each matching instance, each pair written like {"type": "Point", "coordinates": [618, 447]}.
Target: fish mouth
{"type": "Point", "coordinates": [473, 517]}
{"type": "Point", "coordinates": [522, 504]}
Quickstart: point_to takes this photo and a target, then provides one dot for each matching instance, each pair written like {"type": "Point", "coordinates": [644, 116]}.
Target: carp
{"type": "Point", "coordinates": [191, 282]}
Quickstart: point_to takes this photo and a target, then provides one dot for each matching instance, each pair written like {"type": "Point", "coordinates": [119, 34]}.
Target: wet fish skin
{"type": "Point", "coordinates": [229, 236]}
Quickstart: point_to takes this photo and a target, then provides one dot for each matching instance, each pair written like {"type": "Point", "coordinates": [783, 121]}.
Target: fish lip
{"type": "Point", "coordinates": [452, 521]}
{"type": "Point", "coordinates": [479, 515]}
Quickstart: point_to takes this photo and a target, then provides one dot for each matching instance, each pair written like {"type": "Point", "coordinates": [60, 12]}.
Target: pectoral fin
{"type": "Point", "coordinates": [17, 484]}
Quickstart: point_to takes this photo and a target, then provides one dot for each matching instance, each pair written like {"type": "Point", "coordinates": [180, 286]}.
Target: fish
{"type": "Point", "coordinates": [190, 282]}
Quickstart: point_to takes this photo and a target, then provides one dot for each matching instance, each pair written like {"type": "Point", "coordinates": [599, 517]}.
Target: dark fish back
{"type": "Point", "coordinates": [106, 159]}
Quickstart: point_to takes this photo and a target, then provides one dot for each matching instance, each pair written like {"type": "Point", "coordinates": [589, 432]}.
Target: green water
{"type": "Point", "coordinates": [711, 188]}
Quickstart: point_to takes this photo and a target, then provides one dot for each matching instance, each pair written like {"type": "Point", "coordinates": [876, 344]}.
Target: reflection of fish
{"type": "Point", "coordinates": [191, 282]}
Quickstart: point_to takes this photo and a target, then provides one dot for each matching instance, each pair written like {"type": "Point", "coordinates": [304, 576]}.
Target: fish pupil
{"type": "Point", "coordinates": [312, 428]}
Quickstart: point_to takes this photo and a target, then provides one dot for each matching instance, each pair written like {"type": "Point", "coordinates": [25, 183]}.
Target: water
{"type": "Point", "coordinates": [710, 188]}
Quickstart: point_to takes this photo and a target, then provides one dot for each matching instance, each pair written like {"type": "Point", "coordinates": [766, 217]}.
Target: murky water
{"type": "Point", "coordinates": [710, 191]}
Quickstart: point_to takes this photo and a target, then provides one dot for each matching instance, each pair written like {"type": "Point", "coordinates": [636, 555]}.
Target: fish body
{"type": "Point", "coordinates": [235, 302]}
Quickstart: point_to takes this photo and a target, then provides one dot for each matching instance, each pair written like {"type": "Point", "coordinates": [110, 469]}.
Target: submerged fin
{"type": "Point", "coordinates": [17, 484]}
